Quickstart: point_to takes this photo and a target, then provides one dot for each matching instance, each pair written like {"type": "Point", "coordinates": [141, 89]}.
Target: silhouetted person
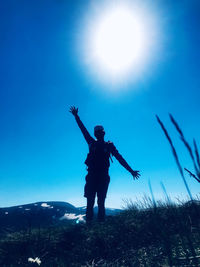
{"type": "Point", "coordinates": [98, 162]}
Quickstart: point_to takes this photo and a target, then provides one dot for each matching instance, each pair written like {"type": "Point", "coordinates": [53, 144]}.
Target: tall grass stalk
{"type": "Point", "coordinates": [152, 195]}
{"type": "Point", "coordinates": [175, 156]}
{"type": "Point", "coordinates": [197, 155]}
{"type": "Point", "coordinates": [165, 193]}
{"type": "Point", "coordinates": [189, 149]}
{"type": "Point", "coordinates": [192, 174]}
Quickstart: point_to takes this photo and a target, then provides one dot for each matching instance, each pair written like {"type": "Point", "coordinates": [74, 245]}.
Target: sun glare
{"type": "Point", "coordinates": [118, 42]}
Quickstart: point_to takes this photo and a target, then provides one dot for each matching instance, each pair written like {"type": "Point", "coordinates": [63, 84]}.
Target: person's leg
{"type": "Point", "coordinates": [89, 193]}
{"type": "Point", "coordinates": [101, 194]}
{"type": "Point", "coordinates": [89, 210]}
{"type": "Point", "coordinates": [101, 208]}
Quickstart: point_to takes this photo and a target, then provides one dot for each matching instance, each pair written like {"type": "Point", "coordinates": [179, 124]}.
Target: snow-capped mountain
{"type": "Point", "coordinates": [42, 214]}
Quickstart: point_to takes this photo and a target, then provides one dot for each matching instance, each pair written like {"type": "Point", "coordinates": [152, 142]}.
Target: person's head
{"type": "Point", "coordinates": [99, 132]}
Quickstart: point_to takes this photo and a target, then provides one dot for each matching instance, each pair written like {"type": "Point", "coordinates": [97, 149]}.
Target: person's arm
{"type": "Point", "coordinates": [123, 162]}
{"type": "Point", "coordinates": [84, 131]}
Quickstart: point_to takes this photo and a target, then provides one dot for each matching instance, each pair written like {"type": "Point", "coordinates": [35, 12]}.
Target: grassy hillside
{"type": "Point", "coordinates": [166, 235]}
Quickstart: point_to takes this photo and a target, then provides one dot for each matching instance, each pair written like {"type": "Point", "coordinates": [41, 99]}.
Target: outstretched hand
{"type": "Point", "coordinates": [73, 110]}
{"type": "Point", "coordinates": [135, 174]}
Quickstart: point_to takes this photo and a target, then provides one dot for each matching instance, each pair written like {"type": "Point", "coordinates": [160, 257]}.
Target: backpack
{"type": "Point", "coordinates": [98, 156]}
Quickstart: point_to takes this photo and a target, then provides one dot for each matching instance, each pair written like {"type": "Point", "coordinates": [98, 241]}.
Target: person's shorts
{"type": "Point", "coordinates": [96, 184]}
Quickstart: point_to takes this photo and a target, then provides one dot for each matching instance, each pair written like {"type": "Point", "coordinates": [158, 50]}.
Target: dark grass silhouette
{"type": "Point", "coordinates": [152, 194]}
{"type": "Point", "coordinates": [175, 156]}
{"type": "Point", "coordinates": [165, 193]}
{"type": "Point", "coordinates": [196, 162]}
{"type": "Point", "coordinates": [192, 175]}
{"type": "Point", "coordinates": [161, 235]}
{"type": "Point", "coordinates": [193, 155]}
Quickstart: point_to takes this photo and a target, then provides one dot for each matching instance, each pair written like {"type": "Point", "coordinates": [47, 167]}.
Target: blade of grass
{"type": "Point", "coordinates": [175, 156]}
{"type": "Point", "coordinates": [192, 174]}
{"type": "Point", "coordinates": [152, 195]}
{"type": "Point", "coordinates": [165, 192]}
{"type": "Point", "coordinates": [185, 142]}
{"type": "Point", "coordinates": [197, 153]}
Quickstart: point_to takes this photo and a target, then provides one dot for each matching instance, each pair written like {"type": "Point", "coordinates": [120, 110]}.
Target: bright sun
{"type": "Point", "coordinates": [119, 42]}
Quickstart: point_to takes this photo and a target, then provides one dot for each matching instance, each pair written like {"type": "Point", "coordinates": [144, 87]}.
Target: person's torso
{"type": "Point", "coordinates": [98, 156]}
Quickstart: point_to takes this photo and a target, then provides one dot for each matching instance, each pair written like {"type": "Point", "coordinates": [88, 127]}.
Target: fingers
{"type": "Point", "coordinates": [136, 174]}
{"type": "Point", "coordinates": [72, 109]}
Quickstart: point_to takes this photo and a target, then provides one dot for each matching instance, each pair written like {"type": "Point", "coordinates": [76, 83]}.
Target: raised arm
{"type": "Point", "coordinates": [123, 162]}
{"type": "Point", "coordinates": [89, 139]}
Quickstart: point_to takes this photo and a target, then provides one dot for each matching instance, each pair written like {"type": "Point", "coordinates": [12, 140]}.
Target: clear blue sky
{"type": "Point", "coordinates": [42, 151]}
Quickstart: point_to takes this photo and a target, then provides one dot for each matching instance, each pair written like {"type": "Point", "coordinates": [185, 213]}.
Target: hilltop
{"type": "Point", "coordinates": [162, 235]}
{"type": "Point", "coordinates": [43, 214]}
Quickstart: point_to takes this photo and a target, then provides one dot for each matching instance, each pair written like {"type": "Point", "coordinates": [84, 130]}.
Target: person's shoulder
{"type": "Point", "coordinates": [92, 142]}
{"type": "Point", "coordinates": [111, 145]}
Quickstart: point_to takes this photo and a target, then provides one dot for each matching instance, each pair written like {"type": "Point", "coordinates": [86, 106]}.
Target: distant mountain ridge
{"type": "Point", "coordinates": [42, 214]}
